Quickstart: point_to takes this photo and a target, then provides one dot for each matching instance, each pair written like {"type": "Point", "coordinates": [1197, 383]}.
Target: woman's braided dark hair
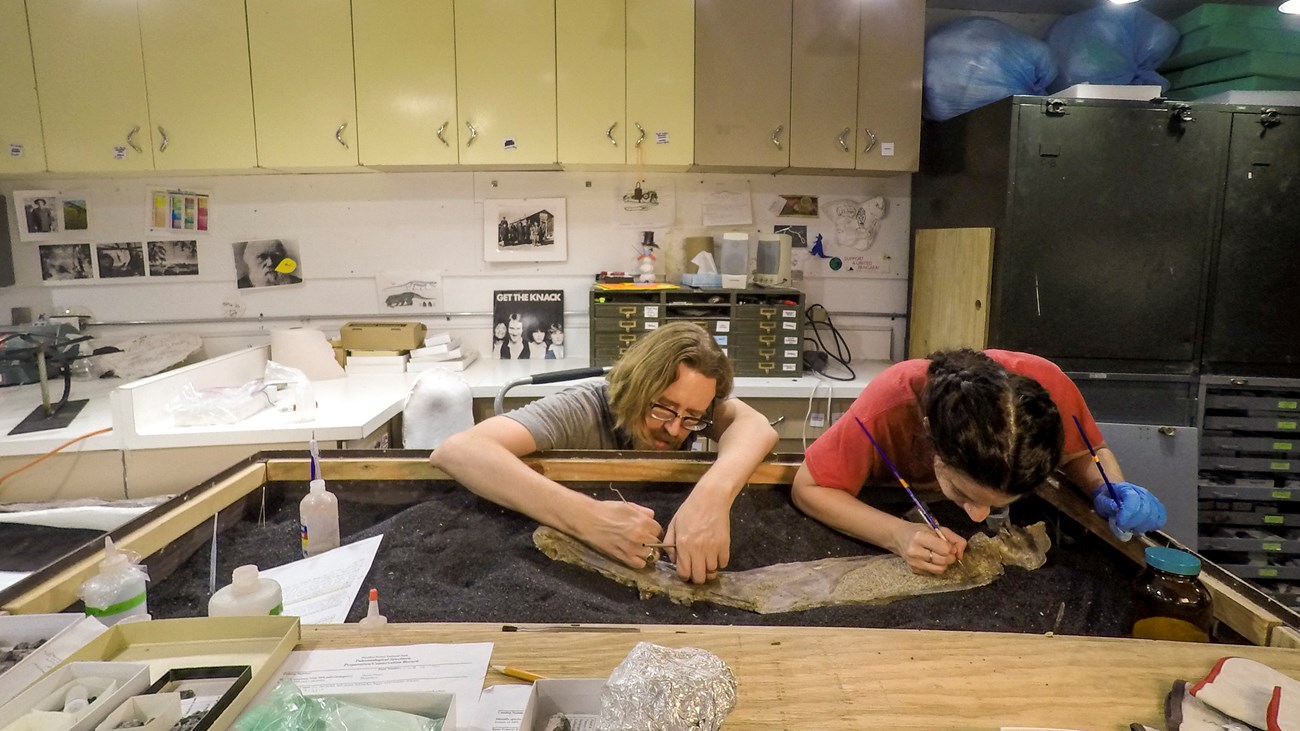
{"type": "Point", "coordinates": [999, 428]}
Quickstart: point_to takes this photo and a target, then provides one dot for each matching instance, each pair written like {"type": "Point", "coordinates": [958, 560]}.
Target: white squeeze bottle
{"type": "Point", "coordinates": [319, 515]}
{"type": "Point", "coordinates": [248, 594]}
{"type": "Point", "coordinates": [117, 591]}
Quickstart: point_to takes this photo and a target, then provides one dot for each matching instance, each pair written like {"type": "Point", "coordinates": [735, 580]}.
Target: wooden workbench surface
{"type": "Point", "coordinates": [840, 678]}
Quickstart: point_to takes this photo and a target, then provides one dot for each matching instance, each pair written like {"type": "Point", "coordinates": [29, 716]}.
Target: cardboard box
{"type": "Point", "coordinates": [382, 335]}
{"type": "Point", "coordinates": [109, 683]}
{"type": "Point", "coordinates": [262, 643]}
{"type": "Point", "coordinates": [205, 692]}
{"type": "Point", "coordinates": [62, 635]}
{"type": "Point", "coordinates": [570, 696]}
{"type": "Point", "coordinates": [159, 711]}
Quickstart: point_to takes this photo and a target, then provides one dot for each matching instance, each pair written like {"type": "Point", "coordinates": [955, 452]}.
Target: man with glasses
{"type": "Point", "coordinates": [672, 385]}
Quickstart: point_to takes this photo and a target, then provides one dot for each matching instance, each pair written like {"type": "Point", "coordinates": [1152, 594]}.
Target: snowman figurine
{"type": "Point", "coordinates": [646, 259]}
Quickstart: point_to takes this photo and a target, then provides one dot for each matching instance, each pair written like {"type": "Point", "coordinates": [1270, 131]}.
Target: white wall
{"type": "Point", "coordinates": [349, 227]}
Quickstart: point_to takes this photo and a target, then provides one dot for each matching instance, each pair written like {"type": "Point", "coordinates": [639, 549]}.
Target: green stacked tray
{"type": "Point", "coordinates": [1214, 42]}
{"type": "Point", "coordinates": [1256, 63]}
{"type": "Point", "coordinates": [1266, 17]}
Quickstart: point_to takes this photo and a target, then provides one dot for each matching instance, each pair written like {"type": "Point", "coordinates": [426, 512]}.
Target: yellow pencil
{"type": "Point", "coordinates": [517, 673]}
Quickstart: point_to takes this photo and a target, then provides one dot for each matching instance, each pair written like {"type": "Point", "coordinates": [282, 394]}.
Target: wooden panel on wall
{"type": "Point", "coordinates": [950, 289]}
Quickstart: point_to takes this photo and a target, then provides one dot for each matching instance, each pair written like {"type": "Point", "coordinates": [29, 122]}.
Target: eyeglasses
{"type": "Point", "coordinates": [659, 412]}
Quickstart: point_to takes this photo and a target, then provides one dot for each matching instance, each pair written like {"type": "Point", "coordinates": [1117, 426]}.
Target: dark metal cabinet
{"type": "Point", "coordinates": [1104, 213]}
{"type": "Point", "coordinates": [1253, 325]}
{"type": "Point", "coordinates": [1144, 243]}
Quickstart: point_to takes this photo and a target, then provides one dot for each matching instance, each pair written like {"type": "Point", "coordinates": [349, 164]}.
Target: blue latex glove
{"type": "Point", "coordinates": [1138, 510]}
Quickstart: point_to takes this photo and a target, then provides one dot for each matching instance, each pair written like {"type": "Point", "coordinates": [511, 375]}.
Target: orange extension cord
{"type": "Point", "coordinates": [55, 451]}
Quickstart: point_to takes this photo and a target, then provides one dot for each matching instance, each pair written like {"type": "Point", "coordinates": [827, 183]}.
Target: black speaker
{"type": "Point", "coordinates": [6, 248]}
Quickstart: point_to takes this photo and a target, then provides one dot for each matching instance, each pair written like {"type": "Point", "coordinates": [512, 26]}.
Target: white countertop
{"type": "Point", "coordinates": [347, 408]}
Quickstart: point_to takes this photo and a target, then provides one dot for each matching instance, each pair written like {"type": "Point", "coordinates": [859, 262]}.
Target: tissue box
{"type": "Point", "coordinates": [41, 706]}
{"type": "Point", "coordinates": [703, 281]}
{"type": "Point", "coordinates": [570, 696]}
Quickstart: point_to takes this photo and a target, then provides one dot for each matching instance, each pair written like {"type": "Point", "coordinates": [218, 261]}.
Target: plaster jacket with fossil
{"type": "Point", "coordinates": [792, 587]}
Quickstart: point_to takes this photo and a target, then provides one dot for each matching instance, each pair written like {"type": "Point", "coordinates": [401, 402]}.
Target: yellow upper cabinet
{"type": "Point", "coordinates": [200, 95]}
{"type": "Point", "coordinates": [303, 89]}
{"type": "Point", "coordinates": [591, 81]}
{"type": "Point", "coordinates": [891, 60]}
{"type": "Point", "coordinates": [90, 79]}
{"type": "Point", "coordinates": [405, 53]}
{"type": "Point", "coordinates": [824, 84]}
{"type": "Point", "coordinates": [22, 149]}
{"type": "Point", "coordinates": [660, 82]}
{"type": "Point", "coordinates": [625, 82]}
{"type": "Point", "coordinates": [742, 84]}
{"type": "Point", "coordinates": [505, 82]}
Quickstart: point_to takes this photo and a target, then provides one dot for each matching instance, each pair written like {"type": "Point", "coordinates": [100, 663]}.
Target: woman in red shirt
{"type": "Point", "coordinates": [985, 428]}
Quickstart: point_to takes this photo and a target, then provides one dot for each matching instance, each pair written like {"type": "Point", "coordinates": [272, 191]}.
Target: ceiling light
{"type": "Point", "coordinates": [1126, 2]}
{"type": "Point", "coordinates": [1290, 6]}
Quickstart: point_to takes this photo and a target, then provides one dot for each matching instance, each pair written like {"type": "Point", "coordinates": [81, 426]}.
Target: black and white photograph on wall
{"type": "Point", "coordinates": [524, 229]}
{"type": "Point", "coordinates": [528, 324]}
{"type": "Point", "coordinates": [39, 213]}
{"type": "Point", "coordinates": [120, 260]}
{"type": "Point", "coordinates": [62, 262]}
{"type": "Point", "coordinates": [173, 258]}
{"type": "Point", "coordinates": [266, 263]}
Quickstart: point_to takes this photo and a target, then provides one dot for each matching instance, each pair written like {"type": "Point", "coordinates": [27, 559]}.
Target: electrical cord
{"type": "Point", "coordinates": [807, 416]}
{"type": "Point", "coordinates": [842, 355]}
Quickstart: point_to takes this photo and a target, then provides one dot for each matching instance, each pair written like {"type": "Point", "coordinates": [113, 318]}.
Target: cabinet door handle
{"type": "Point", "coordinates": [163, 146]}
{"type": "Point", "coordinates": [871, 140]}
{"type": "Point", "coordinates": [844, 145]}
{"type": "Point", "coordinates": [338, 134]}
{"type": "Point", "coordinates": [473, 133]}
{"type": "Point", "coordinates": [610, 134]}
{"type": "Point", "coordinates": [640, 130]}
{"type": "Point", "coordinates": [441, 129]}
{"type": "Point", "coordinates": [776, 135]}
{"type": "Point", "coordinates": [130, 138]}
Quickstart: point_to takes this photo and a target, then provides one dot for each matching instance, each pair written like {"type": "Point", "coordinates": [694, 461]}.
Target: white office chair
{"type": "Point", "coordinates": [438, 405]}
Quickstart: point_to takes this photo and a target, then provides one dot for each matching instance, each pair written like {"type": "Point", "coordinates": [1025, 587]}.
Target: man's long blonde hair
{"type": "Point", "coordinates": [650, 366]}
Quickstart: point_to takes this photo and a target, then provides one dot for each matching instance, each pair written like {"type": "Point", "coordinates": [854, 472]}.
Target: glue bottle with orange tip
{"type": "Point", "coordinates": [319, 516]}
{"type": "Point", "coordinates": [373, 618]}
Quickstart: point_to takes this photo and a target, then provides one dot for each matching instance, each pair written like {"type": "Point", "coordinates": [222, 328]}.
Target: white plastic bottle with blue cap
{"type": "Point", "coordinates": [118, 590]}
{"type": "Point", "coordinates": [1169, 601]}
{"type": "Point", "coordinates": [319, 516]}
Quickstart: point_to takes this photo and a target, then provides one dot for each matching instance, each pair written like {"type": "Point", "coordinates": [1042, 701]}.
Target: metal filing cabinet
{"type": "Point", "coordinates": [1249, 480]}
{"type": "Point", "coordinates": [761, 330]}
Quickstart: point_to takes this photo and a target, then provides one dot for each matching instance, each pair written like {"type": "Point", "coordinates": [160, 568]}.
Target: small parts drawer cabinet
{"type": "Point", "coordinates": [761, 330]}
{"type": "Point", "coordinates": [1249, 480]}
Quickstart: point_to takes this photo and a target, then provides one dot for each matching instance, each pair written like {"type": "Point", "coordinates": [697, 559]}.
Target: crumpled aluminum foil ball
{"type": "Point", "coordinates": [659, 688]}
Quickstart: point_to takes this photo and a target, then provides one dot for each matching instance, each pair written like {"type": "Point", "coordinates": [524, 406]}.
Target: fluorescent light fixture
{"type": "Point", "coordinates": [1290, 6]}
{"type": "Point", "coordinates": [1126, 2]}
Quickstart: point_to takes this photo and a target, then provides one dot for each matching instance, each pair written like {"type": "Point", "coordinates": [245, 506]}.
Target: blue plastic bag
{"type": "Point", "coordinates": [1120, 45]}
{"type": "Point", "coordinates": [975, 61]}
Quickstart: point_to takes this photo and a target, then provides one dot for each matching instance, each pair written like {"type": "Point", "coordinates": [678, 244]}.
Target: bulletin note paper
{"type": "Point", "coordinates": [179, 210]}
{"type": "Point", "coordinates": [321, 589]}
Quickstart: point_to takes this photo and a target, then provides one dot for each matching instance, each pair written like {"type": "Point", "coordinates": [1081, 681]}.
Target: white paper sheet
{"type": "Point", "coordinates": [453, 668]}
{"type": "Point", "coordinates": [321, 589]}
{"type": "Point", "coordinates": [727, 208]}
{"type": "Point", "coordinates": [501, 708]}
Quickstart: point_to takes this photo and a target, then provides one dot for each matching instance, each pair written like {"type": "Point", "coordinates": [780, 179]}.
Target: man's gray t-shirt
{"type": "Point", "coordinates": [578, 417]}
